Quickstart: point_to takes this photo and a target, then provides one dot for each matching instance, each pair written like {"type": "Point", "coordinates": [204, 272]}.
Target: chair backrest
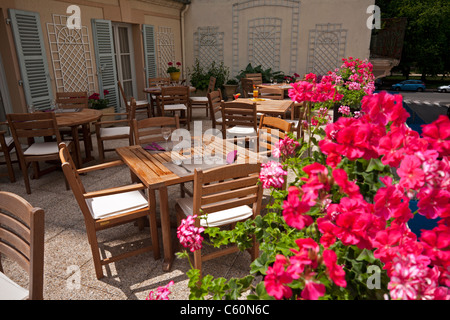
{"type": "Point", "coordinates": [122, 93]}
{"type": "Point", "coordinates": [212, 84]}
{"type": "Point", "coordinates": [22, 239]}
{"type": "Point", "coordinates": [271, 93]}
{"type": "Point", "coordinates": [174, 95]}
{"type": "Point", "coordinates": [227, 187]}
{"type": "Point", "coordinates": [72, 100]}
{"type": "Point", "coordinates": [214, 102]}
{"type": "Point", "coordinates": [270, 131]}
{"type": "Point", "coordinates": [161, 81]}
{"type": "Point", "coordinates": [256, 77]}
{"type": "Point", "coordinates": [236, 113]}
{"type": "Point", "coordinates": [149, 130]}
{"type": "Point", "coordinates": [247, 87]}
{"type": "Point", "coordinates": [32, 125]}
{"type": "Point", "coordinates": [131, 109]}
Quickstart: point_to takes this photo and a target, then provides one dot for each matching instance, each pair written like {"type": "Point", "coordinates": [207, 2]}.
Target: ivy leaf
{"type": "Point", "coordinates": [366, 255]}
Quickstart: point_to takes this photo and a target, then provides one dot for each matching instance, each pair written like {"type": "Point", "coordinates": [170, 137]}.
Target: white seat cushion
{"type": "Point", "coordinates": [140, 103]}
{"type": "Point", "coordinates": [241, 130]}
{"type": "Point", "coordinates": [199, 99]}
{"type": "Point", "coordinates": [294, 122]}
{"type": "Point", "coordinates": [107, 206]}
{"type": "Point", "coordinates": [42, 148]}
{"type": "Point", "coordinates": [218, 218]}
{"type": "Point", "coordinates": [9, 290]}
{"type": "Point", "coordinates": [9, 140]}
{"type": "Point", "coordinates": [114, 131]}
{"type": "Point", "coordinates": [219, 120]}
{"type": "Point", "coordinates": [178, 106]}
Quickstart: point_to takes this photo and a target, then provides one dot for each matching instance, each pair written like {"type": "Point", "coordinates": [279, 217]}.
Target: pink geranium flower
{"type": "Point", "coordinates": [335, 272]}
{"type": "Point", "coordinates": [294, 209]}
{"type": "Point", "coordinates": [161, 293]}
{"type": "Point", "coordinates": [312, 290]}
{"type": "Point", "coordinates": [277, 279]}
{"type": "Point", "coordinates": [189, 235]}
{"type": "Point", "coordinates": [271, 175]}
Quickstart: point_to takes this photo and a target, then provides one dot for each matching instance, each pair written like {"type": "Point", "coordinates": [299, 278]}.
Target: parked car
{"type": "Point", "coordinates": [445, 88]}
{"type": "Point", "coordinates": [410, 85]}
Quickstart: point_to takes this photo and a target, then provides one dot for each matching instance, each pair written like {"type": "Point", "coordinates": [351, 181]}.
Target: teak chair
{"type": "Point", "coordinates": [227, 195]}
{"type": "Point", "coordinates": [6, 146]}
{"type": "Point", "coordinates": [202, 102]}
{"type": "Point", "coordinates": [176, 98]}
{"type": "Point", "coordinates": [122, 131]}
{"type": "Point", "coordinates": [107, 208]}
{"type": "Point", "coordinates": [271, 93]}
{"type": "Point", "coordinates": [31, 126]}
{"type": "Point", "coordinates": [270, 131]}
{"type": "Point", "coordinates": [214, 101]}
{"type": "Point", "coordinates": [22, 241]}
{"type": "Point", "coordinates": [156, 82]}
{"type": "Point", "coordinates": [141, 105]}
{"type": "Point", "coordinates": [239, 120]}
{"type": "Point", "coordinates": [256, 77]}
{"type": "Point", "coordinates": [149, 130]}
{"type": "Point", "coordinates": [247, 87]}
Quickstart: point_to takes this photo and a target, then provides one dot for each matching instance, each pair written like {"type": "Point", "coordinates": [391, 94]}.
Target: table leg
{"type": "Point", "coordinates": [76, 142]}
{"type": "Point", "coordinates": [165, 228]}
{"type": "Point", "coordinates": [87, 142]}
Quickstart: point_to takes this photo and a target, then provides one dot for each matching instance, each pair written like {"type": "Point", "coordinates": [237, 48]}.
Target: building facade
{"type": "Point", "coordinates": [88, 45]}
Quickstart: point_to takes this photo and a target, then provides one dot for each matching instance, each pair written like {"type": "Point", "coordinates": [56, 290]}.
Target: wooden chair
{"type": "Point", "coordinates": [173, 99]}
{"type": "Point", "coordinates": [114, 132]}
{"type": "Point", "coordinates": [156, 82]}
{"type": "Point", "coordinates": [271, 93]}
{"type": "Point", "coordinates": [22, 241]}
{"type": "Point", "coordinates": [141, 105]}
{"type": "Point", "coordinates": [247, 87]}
{"type": "Point", "coordinates": [149, 130]}
{"type": "Point", "coordinates": [214, 101]}
{"type": "Point", "coordinates": [270, 131]}
{"type": "Point", "coordinates": [239, 120]}
{"type": "Point", "coordinates": [256, 77]}
{"type": "Point", "coordinates": [6, 146]}
{"type": "Point", "coordinates": [107, 208]}
{"type": "Point", "coordinates": [299, 113]}
{"type": "Point", "coordinates": [227, 195]}
{"type": "Point", "coordinates": [31, 126]}
{"type": "Point", "coordinates": [202, 102]}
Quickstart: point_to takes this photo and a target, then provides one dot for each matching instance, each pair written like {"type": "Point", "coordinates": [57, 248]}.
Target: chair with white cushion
{"type": "Point", "coordinates": [141, 105]}
{"type": "Point", "coordinates": [6, 147]}
{"type": "Point", "coordinates": [22, 242]}
{"type": "Point", "coordinates": [176, 99]}
{"type": "Point", "coordinates": [42, 133]}
{"type": "Point", "coordinates": [225, 196]}
{"type": "Point", "coordinates": [115, 129]}
{"type": "Point", "coordinates": [239, 120]}
{"type": "Point", "coordinates": [107, 208]}
{"type": "Point", "coordinates": [214, 101]}
{"type": "Point", "coordinates": [202, 102]}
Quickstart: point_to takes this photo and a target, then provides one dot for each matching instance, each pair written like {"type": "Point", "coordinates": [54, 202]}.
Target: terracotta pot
{"type": "Point", "coordinates": [230, 90]}
{"type": "Point", "coordinates": [175, 76]}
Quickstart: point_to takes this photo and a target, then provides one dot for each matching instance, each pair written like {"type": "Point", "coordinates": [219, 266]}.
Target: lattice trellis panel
{"type": "Point", "coordinates": [166, 49]}
{"type": "Point", "coordinates": [264, 40]}
{"type": "Point", "coordinates": [71, 56]}
{"type": "Point", "coordinates": [208, 45]}
{"type": "Point", "coordinates": [326, 48]}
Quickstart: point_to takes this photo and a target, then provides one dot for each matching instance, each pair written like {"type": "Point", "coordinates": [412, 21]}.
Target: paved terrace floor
{"type": "Point", "coordinates": [68, 268]}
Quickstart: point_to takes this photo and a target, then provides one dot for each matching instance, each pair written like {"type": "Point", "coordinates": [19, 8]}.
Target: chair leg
{"type": "Point", "coordinates": [26, 178]}
{"type": "Point", "coordinates": [101, 151]}
{"type": "Point", "coordinates": [95, 254]}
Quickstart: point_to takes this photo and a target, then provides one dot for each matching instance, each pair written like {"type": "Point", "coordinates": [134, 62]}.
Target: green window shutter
{"type": "Point", "coordinates": [27, 32]}
{"type": "Point", "coordinates": [149, 50]}
{"type": "Point", "coordinates": [104, 57]}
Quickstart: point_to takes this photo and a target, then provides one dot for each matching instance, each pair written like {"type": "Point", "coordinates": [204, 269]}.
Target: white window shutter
{"type": "Point", "coordinates": [106, 66]}
{"type": "Point", "coordinates": [27, 32]}
{"type": "Point", "coordinates": [148, 32]}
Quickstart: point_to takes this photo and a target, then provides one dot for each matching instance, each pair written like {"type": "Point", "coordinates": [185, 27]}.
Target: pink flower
{"type": "Point", "coordinates": [170, 63]}
{"type": "Point", "coordinates": [348, 187]}
{"type": "Point", "coordinates": [105, 92]}
{"type": "Point", "coordinates": [277, 278]}
{"type": "Point", "coordinates": [312, 290]}
{"type": "Point", "coordinates": [293, 210]}
{"type": "Point", "coordinates": [285, 147]}
{"type": "Point", "coordinates": [271, 175]}
{"type": "Point", "coordinates": [437, 134]}
{"type": "Point", "coordinates": [336, 272]}
{"type": "Point", "coordinates": [161, 293]}
{"type": "Point", "coordinates": [411, 173]}
{"type": "Point", "coordinates": [189, 235]}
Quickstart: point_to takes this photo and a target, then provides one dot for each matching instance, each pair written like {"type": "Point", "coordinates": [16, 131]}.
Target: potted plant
{"type": "Point", "coordinates": [230, 88]}
{"type": "Point", "coordinates": [101, 104]}
{"type": "Point", "coordinates": [174, 71]}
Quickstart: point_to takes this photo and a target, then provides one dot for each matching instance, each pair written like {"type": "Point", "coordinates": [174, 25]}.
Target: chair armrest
{"type": "Point", "coordinates": [101, 166]}
{"type": "Point", "coordinates": [116, 190]}
{"type": "Point", "coordinates": [114, 114]}
{"type": "Point", "coordinates": [99, 123]}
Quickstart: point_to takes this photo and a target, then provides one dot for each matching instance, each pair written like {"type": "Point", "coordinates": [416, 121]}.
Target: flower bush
{"type": "Point", "coordinates": [172, 67]}
{"type": "Point", "coordinates": [340, 229]}
{"type": "Point", "coordinates": [95, 102]}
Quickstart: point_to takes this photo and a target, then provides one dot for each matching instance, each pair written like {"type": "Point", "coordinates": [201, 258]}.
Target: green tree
{"type": "Point", "coordinates": [427, 36]}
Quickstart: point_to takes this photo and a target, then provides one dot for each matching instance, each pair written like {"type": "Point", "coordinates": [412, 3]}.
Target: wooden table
{"type": "Point", "coordinates": [149, 168]}
{"type": "Point", "coordinates": [74, 120]}
{"type": "Point", "coordinates": [271, 107]}
{"type": "Point", "coordinates": [283, 86]}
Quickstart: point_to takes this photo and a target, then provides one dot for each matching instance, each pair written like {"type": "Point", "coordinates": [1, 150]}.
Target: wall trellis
{"type": "Point", "coordinates": [326, 47]}
{"type": "Point", "coordinates": [208, 45]}
{"type": "Point", "coordinates": [71, 56]}
{"type": "Point", "coordinates": [166, 49]}
{"type": "Point", "coordinates": [264, 40]}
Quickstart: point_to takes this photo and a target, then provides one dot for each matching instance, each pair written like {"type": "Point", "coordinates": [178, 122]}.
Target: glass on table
{"type": "Point", "coordinates": [166, 132]}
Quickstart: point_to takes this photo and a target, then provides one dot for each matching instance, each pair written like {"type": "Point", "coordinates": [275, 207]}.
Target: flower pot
{"type": "Point", "coordinates": [230, 89]}
{"type": "Point", "coordinates": [175, 76]}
